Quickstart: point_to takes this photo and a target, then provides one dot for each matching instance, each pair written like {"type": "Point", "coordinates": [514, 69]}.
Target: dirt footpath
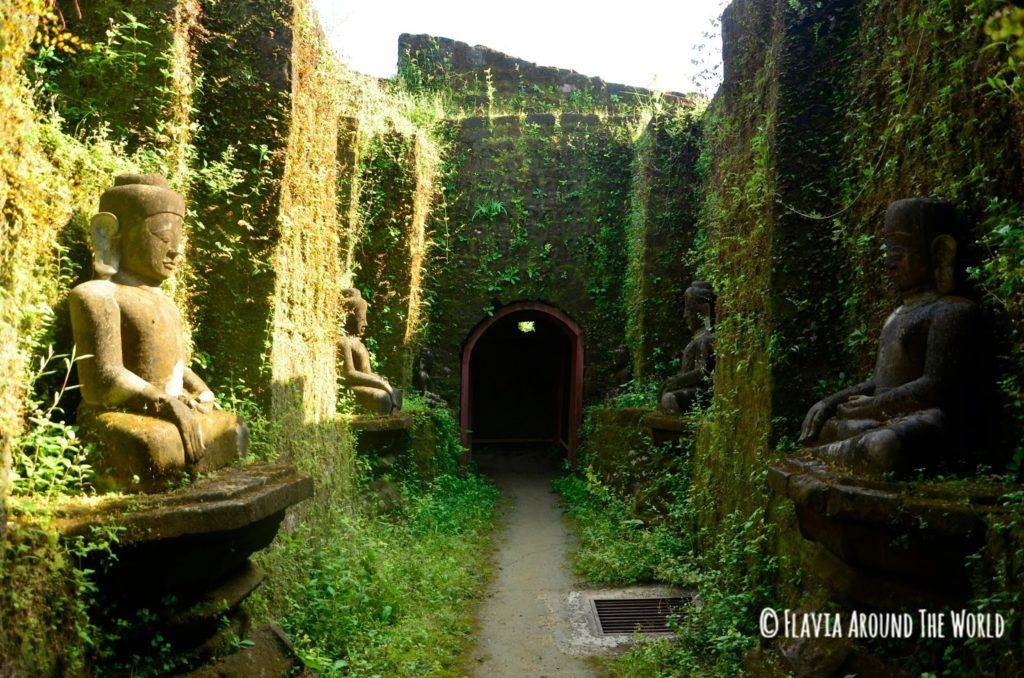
{"type": "Point", "coordinates": [524, 627]}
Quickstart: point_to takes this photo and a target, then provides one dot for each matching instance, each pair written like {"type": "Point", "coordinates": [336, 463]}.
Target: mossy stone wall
{"type": "Point", "coordinates": [397, 191]}
{"type": "Point", "coordinates": [665, 202]}
{"type": "Point", "coordinates": [535, 210]}
{"type": "Point", "coordinates": [482, 79]}
{"type": "Point", "coordinates": [829, 112]}
{"type": "Point", "coordinates": [243, 112]}
{"type": "Point", "coordinates": [308, 274]}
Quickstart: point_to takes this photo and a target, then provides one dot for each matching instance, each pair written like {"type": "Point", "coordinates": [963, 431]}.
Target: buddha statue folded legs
{"type": "Point", "coordinates": [148, 452]}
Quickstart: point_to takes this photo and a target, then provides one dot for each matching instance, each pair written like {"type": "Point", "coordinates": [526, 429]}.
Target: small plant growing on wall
{"type": "Point", "coordinates": [489, 210]}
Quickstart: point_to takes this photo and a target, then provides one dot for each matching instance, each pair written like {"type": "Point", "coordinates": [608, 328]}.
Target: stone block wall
{"type": "Point", "coordinates": [666, 197]}
{"type": "Point", "coordinates": [536, 210]}
{"type": "Point", "coordinates": [481, 78]}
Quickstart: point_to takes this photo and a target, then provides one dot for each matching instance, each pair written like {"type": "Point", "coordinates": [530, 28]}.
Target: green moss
{"type": "Point", "coordinates": [43, 595]}
{"type": "Point", "coordinates": [121, 79]}
{"type": "Point", "coordinates": [534, 210]}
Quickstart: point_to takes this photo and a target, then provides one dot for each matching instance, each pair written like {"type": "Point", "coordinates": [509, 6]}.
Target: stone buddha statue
{"type": "Point", "coordinates": [697, 363]}
{"type": "Point", "coordinates": [422, 378]}
{"type": "Point", "coordinates": [150, 417]}
{"type": "Point", "coordinates": [621, 372]}
{"type": "Point", "coordinates": [910, 413]}
{"type": "Point", "coordinates": [373, 393]}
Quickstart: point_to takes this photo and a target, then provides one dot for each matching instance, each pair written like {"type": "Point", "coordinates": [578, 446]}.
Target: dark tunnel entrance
{"type": "Point", "coordinates": [522, 378]}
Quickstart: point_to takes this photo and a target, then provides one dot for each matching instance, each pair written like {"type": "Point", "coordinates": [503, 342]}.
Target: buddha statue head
{"type": "Point", "coordinates": [699, 305]}
{"type": "Point", "coordinates": [354, 307]}
{"type": "Point", "coordinates": [138, 229]}
{"type": "Point", "coordinates": [920, 245]}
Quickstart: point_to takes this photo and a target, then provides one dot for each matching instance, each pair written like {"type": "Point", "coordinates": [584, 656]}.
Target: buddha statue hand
{"type": "Point", "coordinates": [822, 411]}
{"type": "Point", "coordinates": [181, 415]}
{"type": "Point", "coordinates": [203, 403]}
{"type": "Point", "coordinates": [858, 407]}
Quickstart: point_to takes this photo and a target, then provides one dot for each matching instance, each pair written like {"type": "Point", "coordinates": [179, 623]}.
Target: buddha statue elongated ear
{"type": "Point", "coordinates": [943, 263]}
{"type": "Point", "coordinates": [106, 245]}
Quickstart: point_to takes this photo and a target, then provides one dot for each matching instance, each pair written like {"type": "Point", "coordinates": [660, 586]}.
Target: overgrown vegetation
{"type": "Point", "coordinates": [454, 197]}
{"type": "Point", "coordinates": [50, 460]}
{"type": "Point", "coordinates": [389, 589]}
{"type": "Point", "coordinates": [648, 534]}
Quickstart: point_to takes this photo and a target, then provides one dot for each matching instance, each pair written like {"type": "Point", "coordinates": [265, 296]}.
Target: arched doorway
{"type": "Point", "coordinates": [522, 378]}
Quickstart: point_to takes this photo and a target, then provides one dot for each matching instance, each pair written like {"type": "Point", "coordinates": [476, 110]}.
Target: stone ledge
{"type": "Point", "coordinates": [230, 499]}
{"type": "Point", "coordinates": [660, 421]}
{"type": "Point", "coordinates": [890, 544]}
{"type": "Point", "coordinates": [950, 508]}
{"type": "Point", "coordinates": [402, 421]}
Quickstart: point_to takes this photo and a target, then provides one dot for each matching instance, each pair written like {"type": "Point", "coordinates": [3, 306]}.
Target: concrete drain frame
{"type": "Point", "coordinates": [588, 636]}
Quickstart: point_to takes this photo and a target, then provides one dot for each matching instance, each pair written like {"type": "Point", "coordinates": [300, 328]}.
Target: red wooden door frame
{"type": "Point", "coordinates": [576, 370]}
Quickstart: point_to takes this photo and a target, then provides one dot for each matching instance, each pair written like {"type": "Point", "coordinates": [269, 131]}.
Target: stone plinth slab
{"type": "Point", "coordinates": [889, 544]}
{"type": "Point", "coordinates": [184, 542]}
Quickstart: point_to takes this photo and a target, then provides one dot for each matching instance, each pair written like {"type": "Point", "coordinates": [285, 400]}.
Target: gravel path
{"type": "Point", "coordinates": [524, 627]}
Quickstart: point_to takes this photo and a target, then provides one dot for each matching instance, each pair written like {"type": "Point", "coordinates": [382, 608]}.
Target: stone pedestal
{"type": "Point", "coordinates": [180, 569]}
{"type": "Point", "coordinates": [889, 544]}
{"type": "Point", "coordinates": [886, 547]}
{"type": "Point", "coordinates": [383, 441]}
{"type": "Point", "coordinates": [666, 429]}
{"type": "Point", "coordinates": [381, 437]}
{"type": "Point", "coordinates": [616, 441]}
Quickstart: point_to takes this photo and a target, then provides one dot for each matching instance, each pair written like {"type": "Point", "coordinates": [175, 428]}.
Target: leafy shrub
{"type": "Point", "coordinates": [731, 572]}
{"type": "Point", "coordinates": [390, 594]}
{"type": "Point", "coordinates": [50, 459]}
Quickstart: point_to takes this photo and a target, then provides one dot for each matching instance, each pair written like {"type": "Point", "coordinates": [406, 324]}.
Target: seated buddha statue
{"type": "Point", "coordinates": [911, 412]}
{"type": "Point", "coordinates": [697, 363]}
{"type": "Point", "coordinates": [423, 378]}
{"type": "Point", "coordinates": [150, 418]}
{"type": "Point", "coordinates": [373, 393]}
{"type": "Point", "coordinates": [621, 372]}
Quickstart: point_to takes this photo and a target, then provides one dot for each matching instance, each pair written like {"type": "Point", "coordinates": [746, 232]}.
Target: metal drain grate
{"type": "Point", "coordinates": [617, 616]}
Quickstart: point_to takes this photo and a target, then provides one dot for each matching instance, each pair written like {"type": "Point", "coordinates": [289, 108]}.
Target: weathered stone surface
{"type": "Point", "coordinates": [889, 544]}
{"type": "Point", "coordinates": [365, 423]}
{"type": "Point", "coordinates": [200, 626]}
{"type": "Point", "coordinates": [182, 543]}
{"type": "Point", "coordinates": [270, 656]}
{"type": "Point", "coordinates": [233, 499]}
{"type": "Point", "coordinates": [150, 418]}
{"type": "Point", "coordinates": [471, 70]}
{"type": "Point", "coordinates": [382, 441]}
{"type": "Point", "coordinates": [212, 605]}
{"type": "Point", "coordinates": [664, 422]}
{"type": "Point", "coordinates": [180, 564]}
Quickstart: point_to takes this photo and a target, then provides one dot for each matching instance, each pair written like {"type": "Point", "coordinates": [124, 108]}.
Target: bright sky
{"type": "Point", "coordinates": [634, 42]}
